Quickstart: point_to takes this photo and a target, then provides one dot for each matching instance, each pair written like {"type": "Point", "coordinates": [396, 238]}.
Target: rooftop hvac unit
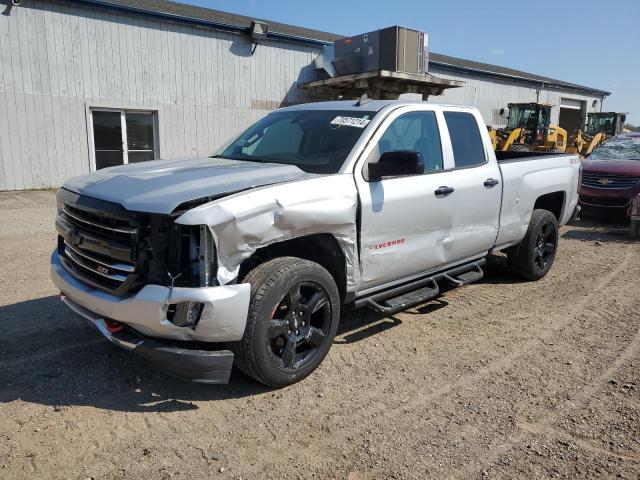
{"type": "Point", "coordinates": [398, 49]}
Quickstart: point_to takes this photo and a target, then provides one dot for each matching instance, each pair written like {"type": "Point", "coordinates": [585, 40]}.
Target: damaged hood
{"type": "Point", "coordinates": [160, 186]}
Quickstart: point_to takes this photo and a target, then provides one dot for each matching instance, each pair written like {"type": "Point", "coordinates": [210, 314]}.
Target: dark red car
{"type": "Point", "coordinates": [611, 174]}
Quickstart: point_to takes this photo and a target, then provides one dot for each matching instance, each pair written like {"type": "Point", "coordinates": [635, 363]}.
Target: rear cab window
{"type": "Point", "coordinates": [468, 149]}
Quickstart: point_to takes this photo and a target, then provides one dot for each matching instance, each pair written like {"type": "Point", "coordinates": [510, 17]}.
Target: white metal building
{"type": "Point", "coordinates": [90, 83]}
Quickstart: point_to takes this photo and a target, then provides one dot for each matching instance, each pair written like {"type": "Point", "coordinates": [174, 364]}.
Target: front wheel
{"type": "Point", "coordinates": [292, 321]}
{"type": "Point", "coordinates": [533, 257]}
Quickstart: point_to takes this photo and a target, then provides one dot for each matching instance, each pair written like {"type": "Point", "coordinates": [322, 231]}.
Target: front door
{"type": "Point", "coordinates": [403, 220]}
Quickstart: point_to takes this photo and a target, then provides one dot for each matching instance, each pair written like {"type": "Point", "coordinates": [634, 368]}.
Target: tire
{"type": "Point", "coordinates": [519, 147]}
{"type": "Point", "coordinates": [533, 257]}
{"type": "Point", "coordinates": [634, 229]}
{"type": "Point", "coordinates": [293, 316]}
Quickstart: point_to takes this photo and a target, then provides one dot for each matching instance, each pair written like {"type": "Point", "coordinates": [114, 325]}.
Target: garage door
{"type": "Point", "coordinates": [571, 103]}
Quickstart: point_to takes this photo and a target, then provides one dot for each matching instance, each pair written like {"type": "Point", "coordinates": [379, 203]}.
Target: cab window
{"type": "Point", "coordinates": [417, 132]}
{"type": "Point", "coordinates": [466, 141]}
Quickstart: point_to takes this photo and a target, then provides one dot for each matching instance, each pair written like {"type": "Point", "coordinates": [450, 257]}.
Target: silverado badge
{"type": "Point", "coordinates": [605, 181]}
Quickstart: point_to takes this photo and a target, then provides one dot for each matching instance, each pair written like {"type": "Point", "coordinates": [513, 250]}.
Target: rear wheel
{"type": "Point", "coordinates": [533, 257]}
{"type": "Point", "coordinates": [292, 321]}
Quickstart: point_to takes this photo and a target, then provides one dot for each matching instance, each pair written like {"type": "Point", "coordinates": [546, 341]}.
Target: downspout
{"type": "Point", "coordinates": [538, 90]}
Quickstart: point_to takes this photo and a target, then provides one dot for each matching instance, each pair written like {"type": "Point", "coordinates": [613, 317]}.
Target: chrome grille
{"type": "Point", "coordinates": [95, 223]}
{"type": "Point", "coordinates": [113, 271]}
{"type": "Point", "coordinates": [603, 180]}
{"type": "Point", "coordinates": [98, 248]}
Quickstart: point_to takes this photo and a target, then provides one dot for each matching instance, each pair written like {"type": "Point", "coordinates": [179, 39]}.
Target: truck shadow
{"type": "Point", "coordinates": [357, 325]}
{"type": "Point", "coordinates": [52, 357]}
{"type": "Point", "coordinates": [598, 227]}
{"type": "Point", "coordinates": [497, 272]}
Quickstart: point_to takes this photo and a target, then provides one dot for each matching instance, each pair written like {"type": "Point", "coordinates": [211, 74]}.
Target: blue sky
{"type": "Point", "coordinates": [588, 42]}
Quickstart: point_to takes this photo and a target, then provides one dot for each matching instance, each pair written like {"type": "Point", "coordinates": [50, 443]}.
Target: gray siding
{"type": "Point", "coordinates": [58, 59]}
{"type": "Point", "coordinates": [490, 94]}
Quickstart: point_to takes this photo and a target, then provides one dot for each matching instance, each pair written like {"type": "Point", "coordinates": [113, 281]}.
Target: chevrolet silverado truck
{"type": "Point", "coordinates": [248, 256]}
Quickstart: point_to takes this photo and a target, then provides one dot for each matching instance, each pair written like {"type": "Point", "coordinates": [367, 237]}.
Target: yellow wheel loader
{"type": "Point", "coordinates": [528, 129]}
{"type": "Point", "coordinates": [600, 127]}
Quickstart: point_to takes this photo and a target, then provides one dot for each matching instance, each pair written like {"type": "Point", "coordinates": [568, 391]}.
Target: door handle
{"type": "Point", "coordinates": [442, 191]}
{"type": "Point", "coordinates": [491, 182]}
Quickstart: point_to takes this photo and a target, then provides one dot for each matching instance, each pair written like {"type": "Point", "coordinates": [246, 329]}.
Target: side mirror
{"type": "Point", "coordinates": [396, 164]}
{"type": "Point", "coordinates": [502, 112]}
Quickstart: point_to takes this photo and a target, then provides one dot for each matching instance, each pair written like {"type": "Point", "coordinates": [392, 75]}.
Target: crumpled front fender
{"type": "Point", "coordinates": [244, 222]}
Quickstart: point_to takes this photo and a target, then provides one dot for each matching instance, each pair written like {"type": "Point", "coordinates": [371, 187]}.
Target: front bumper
{"type": "Point", "coordinates": [223, 318]}
{"type": "Point", "coordinates": [202, 366]}
{"type": "Point", "coordinates": [617, 199]}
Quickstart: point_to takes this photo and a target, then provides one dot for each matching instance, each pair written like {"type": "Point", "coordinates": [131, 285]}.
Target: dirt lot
{"type": "Point", "coordinates": [500, 379]}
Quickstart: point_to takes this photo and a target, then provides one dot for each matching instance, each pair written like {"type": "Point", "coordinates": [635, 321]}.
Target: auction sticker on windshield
{"type": "Point", "coordinates": [350, 121]}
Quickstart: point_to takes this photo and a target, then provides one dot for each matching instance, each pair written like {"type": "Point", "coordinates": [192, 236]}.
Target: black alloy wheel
{"type": "Point", "coordinates": [293, 317]}
{"type": "Point", "coordinates": [545, 248]}
{"type": "Point", "coordinates": [533, 257]}
{"type": "Point", "coordinates": [299, 325]}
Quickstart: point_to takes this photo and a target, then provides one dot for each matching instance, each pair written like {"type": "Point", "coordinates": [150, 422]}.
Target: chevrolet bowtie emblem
{"type": "Point", "coordinates": [605, 181]}
{"type": "Point", "coordinates": [76, 238]}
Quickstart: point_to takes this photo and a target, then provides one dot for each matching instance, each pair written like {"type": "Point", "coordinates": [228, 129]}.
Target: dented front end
{"type": "Point", "coordinates": [175, 276]}
{"type": "Point", "coordinates": [147, 280]}
{"type": "Point", "coordinates": [144, 271]}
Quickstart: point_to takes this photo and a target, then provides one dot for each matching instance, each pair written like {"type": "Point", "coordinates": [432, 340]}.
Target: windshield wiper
{"type": "Point", "coordinates": [248, 159]}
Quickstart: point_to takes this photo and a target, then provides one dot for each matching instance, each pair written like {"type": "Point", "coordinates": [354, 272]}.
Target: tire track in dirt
{"type": "Point", "coordinates": [375, 406]}
{"type": "Point", "coordinates": [549, 323]}
{"type": "Point", "coordinates": [547, 417]}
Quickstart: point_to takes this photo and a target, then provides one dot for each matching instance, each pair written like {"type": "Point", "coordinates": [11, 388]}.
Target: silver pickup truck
{"type": "Point", "coordinates": [248, 256]}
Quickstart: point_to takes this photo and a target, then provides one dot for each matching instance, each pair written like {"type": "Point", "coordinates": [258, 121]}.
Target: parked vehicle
{"type": "Point", "coordinates": [600, 127]}
{"type": "Point", "coordinates": [528, 130]}
{"type": "Point", "coordinates": [611, 174]}
{"type": "Point", "coordinates": [250, 255]}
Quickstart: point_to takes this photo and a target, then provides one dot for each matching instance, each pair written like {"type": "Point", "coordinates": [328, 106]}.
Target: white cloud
{"type": "Point", "coordinates": [497, 51]}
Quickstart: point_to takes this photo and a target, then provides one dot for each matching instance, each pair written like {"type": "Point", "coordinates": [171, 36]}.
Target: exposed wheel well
{"type": "Point", "coordinates": [553, 202]}
{"type": "Point", "coordinates": [321, 248]}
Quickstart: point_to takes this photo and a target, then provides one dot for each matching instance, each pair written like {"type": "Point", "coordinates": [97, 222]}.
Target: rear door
{"type": "Point", "coordinates": [403, 222]}
{"type": "Point", "coordinates": [476, 182]}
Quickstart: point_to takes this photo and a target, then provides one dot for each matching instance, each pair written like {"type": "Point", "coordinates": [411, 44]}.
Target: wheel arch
{"type": "Point", "coordinates": [321, 248]}
{"type": "Point", "coordinates": [553, 202]}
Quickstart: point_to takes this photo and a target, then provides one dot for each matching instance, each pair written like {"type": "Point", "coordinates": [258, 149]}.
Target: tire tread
{"type": "Point", "coordinates": [262, 279]}
{"type": "Point", "coordinates": [519, 256]}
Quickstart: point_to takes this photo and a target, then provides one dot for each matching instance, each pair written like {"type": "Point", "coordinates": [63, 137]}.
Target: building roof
{"type": "Point", "coordinates": [232, 21]}
{"type": "Point", "coordinates": [487, 68]}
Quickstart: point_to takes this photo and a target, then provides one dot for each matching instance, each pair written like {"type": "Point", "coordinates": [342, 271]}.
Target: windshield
{"type": "Point", "coordinates": [620, 148]}
{"type": "Point", "coordinates": [316, 141]}
{"type": "Point", "coordinates": [600, 123]}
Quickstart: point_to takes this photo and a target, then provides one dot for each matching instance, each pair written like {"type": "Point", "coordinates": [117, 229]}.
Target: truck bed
{"type": "Point", "coordinates": [527, 176]}
{"type": "Point", "coordinates": [508, 156]}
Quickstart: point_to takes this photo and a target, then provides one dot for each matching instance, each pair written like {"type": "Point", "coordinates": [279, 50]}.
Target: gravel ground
{"type": "Point", "coordinates": [500, 379]}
